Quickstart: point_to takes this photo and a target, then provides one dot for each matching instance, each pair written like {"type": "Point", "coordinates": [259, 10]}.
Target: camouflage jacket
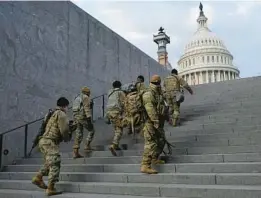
{"type": "Point", "coordinates": [57, 128]}
{"type": "Point", "coordinates": [154, 105]}
{"type": "Point", "coordinates": [174, 83]}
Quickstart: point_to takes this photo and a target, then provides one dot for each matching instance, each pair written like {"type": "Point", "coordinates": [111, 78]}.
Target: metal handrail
{"type": "Point", "coordinates": [39, 119]}
{"type": "Point", "coordinates": [25, 126]}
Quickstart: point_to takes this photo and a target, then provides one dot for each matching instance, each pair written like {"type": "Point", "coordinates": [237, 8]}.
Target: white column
{"type": "Point", "coordinates": [213, 76]}
{"type": "Point", "coordinates": [229, 76]}
{"type": "Point", "coordinates": [207, 76]}
{"type": "Point", "coordinates": [225, 75]}
{"type": "Point", "coordinates": [218, 76]}
{"type": "Point", "coordinates": [200, 78]}
{"type": "Point", "coordinates": [190, 79]}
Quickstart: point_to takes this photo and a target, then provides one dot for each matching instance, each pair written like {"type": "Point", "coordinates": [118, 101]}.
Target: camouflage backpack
{"type": "Point", "coordinates": [134, 103]}
{"type": "Point", "coordinates": [171, 83]}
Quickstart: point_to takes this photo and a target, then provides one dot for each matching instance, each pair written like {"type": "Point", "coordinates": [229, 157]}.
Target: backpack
{"type": "Point", "coordinates": [77, 103]}
{"type": "Point", "coordinates": [172, 83]}
{"type": "Point", "coordinates": [134, 102]}
{"type": "Point", "coordinates": [114, 99]}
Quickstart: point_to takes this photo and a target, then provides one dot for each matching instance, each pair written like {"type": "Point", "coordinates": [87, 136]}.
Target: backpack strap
{"type": "Point", "coordinates": [113, 92]}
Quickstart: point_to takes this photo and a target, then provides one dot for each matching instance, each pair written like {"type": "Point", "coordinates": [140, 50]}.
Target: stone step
{"type": "Point", "coordinates": [252, 137]}
{"type": "Point", "coordinates": [206, 137]}
{"type": "Point", "coordinates": [218, 111]}
{"type": "Point", "coordinates": [7, 193]}
{"type": "Point", "coordinates": [222, 138]}
{"type": "Point", "coordinates": [161, 178]}
{"type": "Point", "coordinates": [243, 157]}
{"type": "Point", "coordinates": [236, 121]}
{"type": "Point", "coordinates": [245, 102]}
{"type": "Point", "coordinates": [251, 132]}
{"type": "Point", "coordinates": [191, 118]}
{"type": "Point", "coordinates": [192, 150]}
{"type": "Point", "coordinates": [183, 151]}
{"type": "Point", "coordinates": [225, 167]}
{"type": "Point", "coordinates": [145, 189]}
{"type": "Point", "coordinates": [212, 128]}
{"type": "Point", "coordinates": [192, 142]}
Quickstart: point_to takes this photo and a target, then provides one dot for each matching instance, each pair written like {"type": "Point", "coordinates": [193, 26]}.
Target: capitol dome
{"type": "Point", "coordinates": [206, 58]}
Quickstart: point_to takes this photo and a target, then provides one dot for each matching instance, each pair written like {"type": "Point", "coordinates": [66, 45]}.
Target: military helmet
{"type": "Point", "coordinates": [86, 90]}
{"type": "Point", "coordinates": [155, 79]}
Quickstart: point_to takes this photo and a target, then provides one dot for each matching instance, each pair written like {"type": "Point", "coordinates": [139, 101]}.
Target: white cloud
{"type": "Point", "coordinates": [245, 8]}
{"type": "Point", "coordinates": [113, 12]}
{"type": "Point", "coordinates": [137, 35]}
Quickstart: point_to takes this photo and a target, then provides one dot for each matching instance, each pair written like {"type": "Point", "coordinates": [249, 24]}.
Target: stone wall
{"type": "Point", "coordinates": [52, 49]}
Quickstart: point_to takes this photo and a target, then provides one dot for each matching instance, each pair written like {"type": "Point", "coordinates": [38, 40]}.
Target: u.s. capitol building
{"type": "Point", "coordinates": [206, 58]}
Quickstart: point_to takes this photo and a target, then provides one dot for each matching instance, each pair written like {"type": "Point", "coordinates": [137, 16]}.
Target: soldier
{"type": "Point", "coordinates": [82, 116]}
{"type": "Point", "coordinates": [154, 135]}
{"type": "Point", "coordinates": [134, 109]}
{"type": "Point", "coordinates": [172, 86]}
{"type": "Point", "coordinates": [56, 131]}
{"type": "Point", "coordinates": [115, 110]}
{"type": "Point", "coordinates": [140, 84]}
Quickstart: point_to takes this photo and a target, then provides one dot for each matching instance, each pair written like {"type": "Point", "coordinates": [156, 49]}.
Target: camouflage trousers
{"type": "Point", "coordinates": [174, 107]}
{"type": "Point", "coordinates": [81, 125]}
{"type": "Point", "coordinates": [117, 121]}
{"type": "Point", "coordinates": [52, 160]}
{"type": "Point", "coordinates": [135, 121]}
{"type": "Point", "coordinates": [154, 142]}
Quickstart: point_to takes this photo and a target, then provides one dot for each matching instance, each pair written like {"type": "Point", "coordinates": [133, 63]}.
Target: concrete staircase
{"type": "Point", "coordinates": [217, 155]}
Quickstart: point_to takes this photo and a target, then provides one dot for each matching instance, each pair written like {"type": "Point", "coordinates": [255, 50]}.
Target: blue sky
{"type": "Point", "coordinates": [237, 23]}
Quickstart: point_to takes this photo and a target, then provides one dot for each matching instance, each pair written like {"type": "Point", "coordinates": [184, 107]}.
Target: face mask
{"type": "Point", "coordinates": [65, 109]}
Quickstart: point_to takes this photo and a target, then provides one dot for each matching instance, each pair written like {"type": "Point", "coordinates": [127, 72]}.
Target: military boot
{"type": "Point", "coordinates": [76, 154]}
{"type": "Point", "coordinates": [157, 161]}
{"type": "Point", "coordinates": [175, 122]}
{"type": "Point", "coordinates": [113, 148]}
{"type": "Point", "coordinates": [148, 170]}
{"type": "Point", "coordinates": [50, 191]}
{"type": "Point", "coordinates": [38, 181]}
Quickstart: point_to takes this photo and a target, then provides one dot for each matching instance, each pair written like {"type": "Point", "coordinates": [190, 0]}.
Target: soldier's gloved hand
{"type": "Point", "coordinates": [89, 123]}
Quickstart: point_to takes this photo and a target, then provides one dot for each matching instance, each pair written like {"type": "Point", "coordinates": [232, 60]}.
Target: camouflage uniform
{"type": "Point", "coordinates": [154, 134]}
{"type": "Point", "coordinates": [83, 120]}
{"type": "Point", "coordinates": [172, 84]}
{"type": "Point", "coordinates": [115, 115]}
{"type": "Point", "coordinates": [56, 131]}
